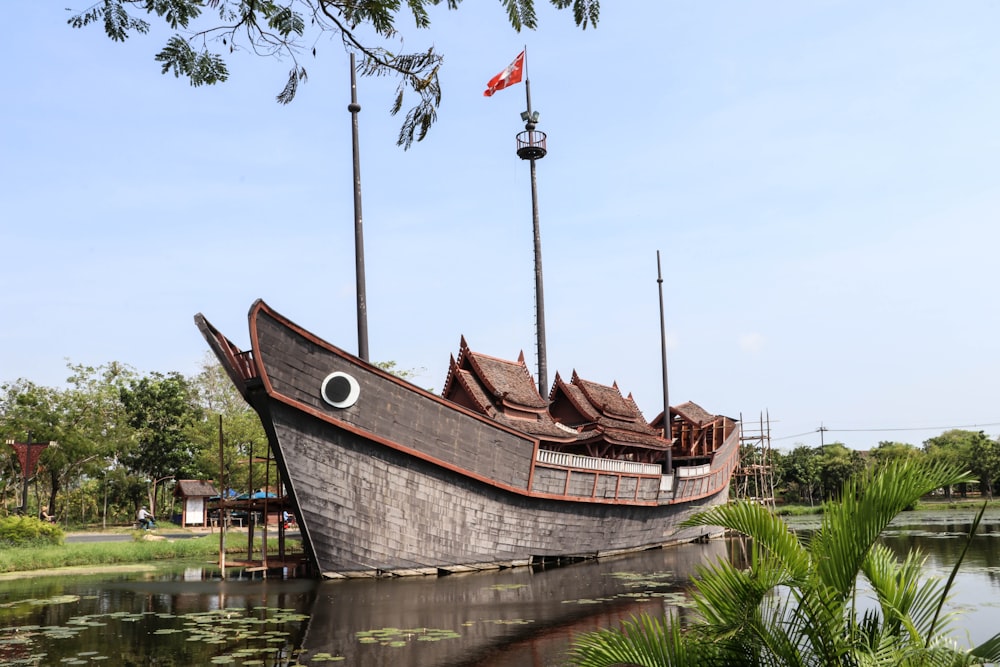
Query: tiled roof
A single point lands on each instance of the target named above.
(632, 438)
(505, 391)
(510, 381)
(608, 400)
(506, 381)
(616, 417)
(193, 488)
(576, 397)
(545, 428)
(694, 413)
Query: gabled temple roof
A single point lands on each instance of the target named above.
(577, 412)
(507, 381)
(505, 392)
(597, 401)
(609, 400)
(602, 410)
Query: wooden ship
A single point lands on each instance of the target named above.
(386, 478)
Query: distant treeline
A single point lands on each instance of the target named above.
(113, 440)
(814, 475)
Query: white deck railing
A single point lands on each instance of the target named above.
(549, 457)
(693, 471)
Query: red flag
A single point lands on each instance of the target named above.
(508, 77)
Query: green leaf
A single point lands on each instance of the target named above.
(200, 68)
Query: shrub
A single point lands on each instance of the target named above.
(26, 531)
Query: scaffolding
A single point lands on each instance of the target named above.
(754, 477)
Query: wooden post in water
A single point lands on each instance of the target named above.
(249, 506)
(263, 530)
(222, 506)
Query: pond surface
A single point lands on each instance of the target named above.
(520, 617)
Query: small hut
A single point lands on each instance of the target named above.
(193, 494)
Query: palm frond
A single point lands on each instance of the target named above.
(769, 533)
(868, 503)
(643, 641)
(989, 650)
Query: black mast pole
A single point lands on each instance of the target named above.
(359, 240)
(531, 147)
(667, 435)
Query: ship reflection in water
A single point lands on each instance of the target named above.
(513, 617)
(506, 618)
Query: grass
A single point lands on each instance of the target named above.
(120, 553)
(956, 503)
(929, 503)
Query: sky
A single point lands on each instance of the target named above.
(821, 179)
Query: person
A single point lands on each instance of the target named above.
(46, 517)
(146, 520)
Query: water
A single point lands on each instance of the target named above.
(520, 617)
(940, 536)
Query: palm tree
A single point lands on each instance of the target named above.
(797, 603)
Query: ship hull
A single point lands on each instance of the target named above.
(404, 482)
(368, 511)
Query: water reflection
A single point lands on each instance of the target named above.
(513, 617)
(190, 617)
(520, 617)
(150, 620)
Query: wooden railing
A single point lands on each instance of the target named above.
(693, 471)
(563, 459)
(244, 364)
(694, 482)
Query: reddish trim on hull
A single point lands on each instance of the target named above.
(260, 307)
(281, 398)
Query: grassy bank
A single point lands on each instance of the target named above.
(956, 503)
(118, 553)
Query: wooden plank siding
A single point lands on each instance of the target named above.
(368, 510)
(392, 411)
(724, 461)
(406, 482)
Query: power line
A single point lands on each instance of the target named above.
(827, 429)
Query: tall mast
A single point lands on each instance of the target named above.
(531, 147)
(667, 435)
(359, 239)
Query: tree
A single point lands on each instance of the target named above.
(92, 427)
(162, 410)
(837, 463)
(887, 451)
(295, 27)
(985, 462)
(798, 603)
(800, 473)
(953, 447)
(29, 413)
(242, 431)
